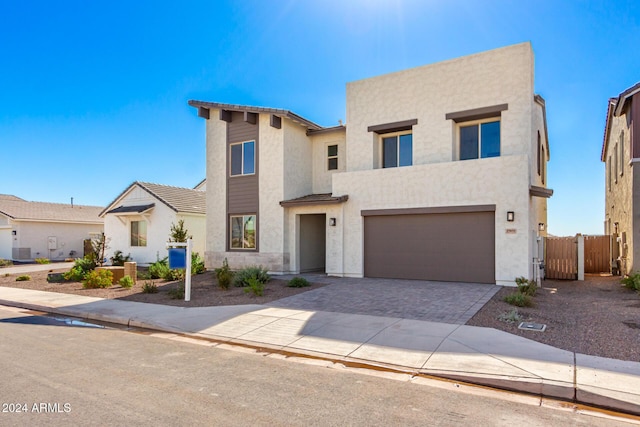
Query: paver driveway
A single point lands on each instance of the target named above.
(446, 302)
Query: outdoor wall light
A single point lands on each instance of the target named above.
(511, 216)
(14, 232)
(332, 222)
(541, 226)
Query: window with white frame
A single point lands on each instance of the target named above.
(397, 150)
(243, 158)
(243, 232)
(479, 139)
(138, 233)
(332, 157)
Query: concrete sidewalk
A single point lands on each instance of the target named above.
(31, 268)
(466, 353)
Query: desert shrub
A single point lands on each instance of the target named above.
(55, 277)
(172, 275)
(178, 232)
(85, 264)
(43, 261)
(144, 275)
(97, 279)
(511, 316)
(158, 269)
(529, 287)
(76, 274)
(632, 282)
(149, 287)
(177, 293)
(298, 282)
(126, 282)
(254, 286)
(240, 278)
(5, 262)
(197, 264)
(224, 275)
(23, 278)
(518, 299)
(118, 258)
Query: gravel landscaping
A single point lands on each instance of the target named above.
(598, 316)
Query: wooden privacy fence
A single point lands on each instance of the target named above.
(561, 260)
(596, 254)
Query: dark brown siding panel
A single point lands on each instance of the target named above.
(477, 113)
(445, 247)
(243, 194)
(635, 124)
(239, 131)
(393, 127)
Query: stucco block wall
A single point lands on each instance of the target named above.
(321, 175)
(216, 137)
(429, 92)
(471, 182)
(619, 197)
(69, 237)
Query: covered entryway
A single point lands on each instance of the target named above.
(312, 242)
(455, 244)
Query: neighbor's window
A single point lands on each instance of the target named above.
(243, 232)
(332, 157)
(397, 150)
(138, 233)
(243, 158)
(480, 140)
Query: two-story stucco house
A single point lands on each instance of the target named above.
(621, 153)
(438, 174)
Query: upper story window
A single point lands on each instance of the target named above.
(397, 150)
(479, 140)
(332, 157)
(138, 233)
(243, 158)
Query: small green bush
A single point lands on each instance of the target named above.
(97, 279)
(23, 278)
(528, 288)
(255, 286)
(43, 261)
(197, 264)
(224, 275)
(511, 317)
(126, 282)
(298, 282)
(518, 299)
(632, 282)
(119, 259)
(159, 269)
(149, 287)
(240, 278)
(85, 264)
(5, 262)
(173, 275)
(177, 293)
(76, 274)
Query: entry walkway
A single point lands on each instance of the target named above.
(444, 302)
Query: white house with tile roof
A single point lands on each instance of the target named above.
(56, 231)
(138, 222)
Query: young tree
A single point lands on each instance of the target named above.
(179, 233)
(99, 246)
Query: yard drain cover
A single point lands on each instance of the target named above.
(527, 326)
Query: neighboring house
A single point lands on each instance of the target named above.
(202, 185)
(438, 174)
(56, 231)
(138, 222)
(621, 154)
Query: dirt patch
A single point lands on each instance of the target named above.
(598, 317)
(205, 291)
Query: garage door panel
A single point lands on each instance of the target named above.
(446, 247)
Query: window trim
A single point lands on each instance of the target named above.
(231, 174)
(131, 242)
(330, 157)
(255, 231)
(621, 148)
(396, 135)
(615, 163)
(478, 123)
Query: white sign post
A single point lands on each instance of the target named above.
(187, 272)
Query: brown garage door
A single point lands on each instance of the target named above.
(454, 246)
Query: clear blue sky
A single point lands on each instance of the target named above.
(93, 95)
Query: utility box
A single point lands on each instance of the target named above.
(52, 243)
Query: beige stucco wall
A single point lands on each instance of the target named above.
(321, 174)
(472, 182)
(117, 229)
(619, 196)
(429, 92)
(69, 237)
(5, 242)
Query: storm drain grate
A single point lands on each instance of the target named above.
(528, 326)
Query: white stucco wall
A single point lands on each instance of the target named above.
(5, 242)
(321, 174)
(69, 237)
(159, 220)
